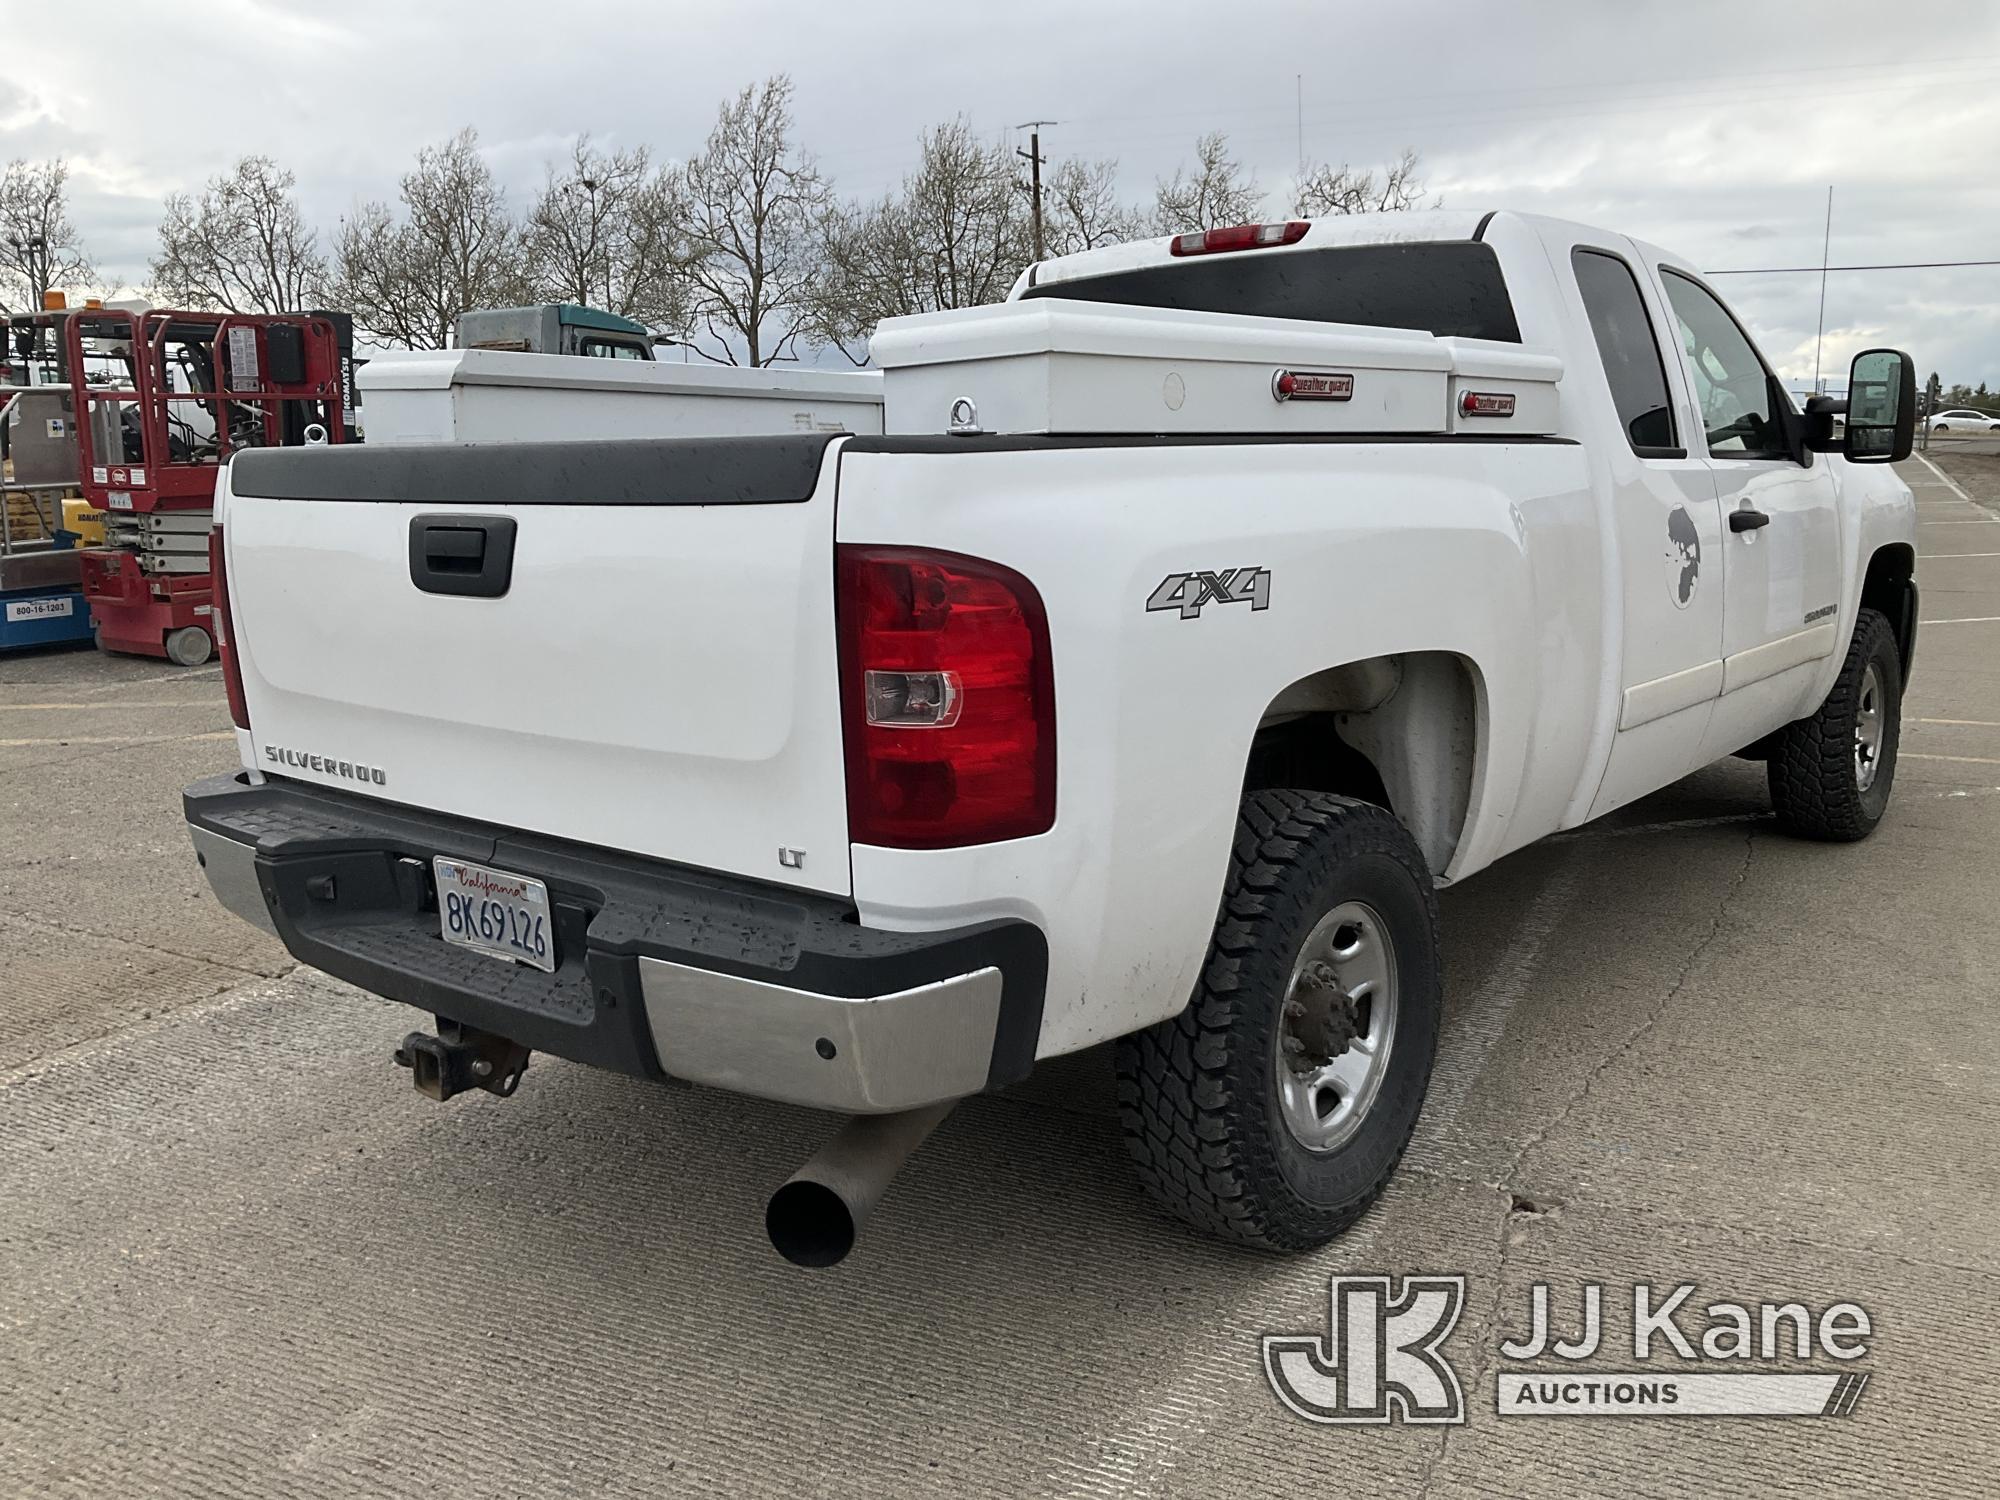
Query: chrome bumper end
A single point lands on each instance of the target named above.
(871, 1054)
(232, 874)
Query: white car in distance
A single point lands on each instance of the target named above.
(1964, 419)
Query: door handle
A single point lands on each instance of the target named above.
(1747, 519)
(469, 555)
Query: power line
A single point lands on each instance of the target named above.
(1906, 265)
(1677, 87)
(1540, 103)
(1416, 114)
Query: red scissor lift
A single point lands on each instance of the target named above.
(201, 387)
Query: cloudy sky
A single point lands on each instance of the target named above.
(1712, 128)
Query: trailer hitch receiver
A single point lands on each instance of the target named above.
(460, 1058)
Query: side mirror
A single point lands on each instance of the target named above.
(1881, 407)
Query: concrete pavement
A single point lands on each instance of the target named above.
(239, 1256)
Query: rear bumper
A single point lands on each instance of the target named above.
(661, 970)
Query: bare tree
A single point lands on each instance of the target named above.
(956, 234)
(968, 217)
(242, 246)
(1328, 190)
(40, 249)
(754, 204)
(1081, 209)
(867, 274)
(660, 258)
(456, 248)
(1217, 191)
(606, 232)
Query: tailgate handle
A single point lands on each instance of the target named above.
(470, 555)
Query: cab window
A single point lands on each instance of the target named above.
(608, 349)
(1740, 399)
(1630, 352)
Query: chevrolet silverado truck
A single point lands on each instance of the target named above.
(1191, 618)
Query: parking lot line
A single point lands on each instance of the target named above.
(8, 708)
(115, 739)
(1967, 723)
(1967, 620)
(1962, 760)
(1945, 479)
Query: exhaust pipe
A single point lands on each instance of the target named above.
(813, 1219)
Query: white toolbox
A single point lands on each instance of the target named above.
(498, 396)
(1053, 365)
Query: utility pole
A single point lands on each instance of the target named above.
(588, 293)
(1035, 160)
(1300, 80)
(36, 248)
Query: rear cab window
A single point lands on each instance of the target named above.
(1449, 288)
(1629, 350)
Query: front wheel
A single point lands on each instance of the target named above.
(1831, 774)
(1274, 1108)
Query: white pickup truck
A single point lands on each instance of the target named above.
(1136, 671)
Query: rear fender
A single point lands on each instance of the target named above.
(1372, 552)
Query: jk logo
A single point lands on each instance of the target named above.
(1379, 1360)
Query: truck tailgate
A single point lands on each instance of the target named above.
(657, 673)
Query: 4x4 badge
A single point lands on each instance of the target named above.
(1188, 592)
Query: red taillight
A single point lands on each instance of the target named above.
(948, 699)
(1240, 237)
(225, 633)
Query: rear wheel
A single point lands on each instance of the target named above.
(189, 646)
(1831, 774)
(1273, 1109)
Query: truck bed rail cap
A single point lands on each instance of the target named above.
(756, 470)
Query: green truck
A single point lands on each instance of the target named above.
(555, 328)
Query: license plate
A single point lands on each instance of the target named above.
(495, 911)
(120, 500)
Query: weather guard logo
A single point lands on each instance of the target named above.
(1380, 1359)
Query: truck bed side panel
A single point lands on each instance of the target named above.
(1373, 549)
